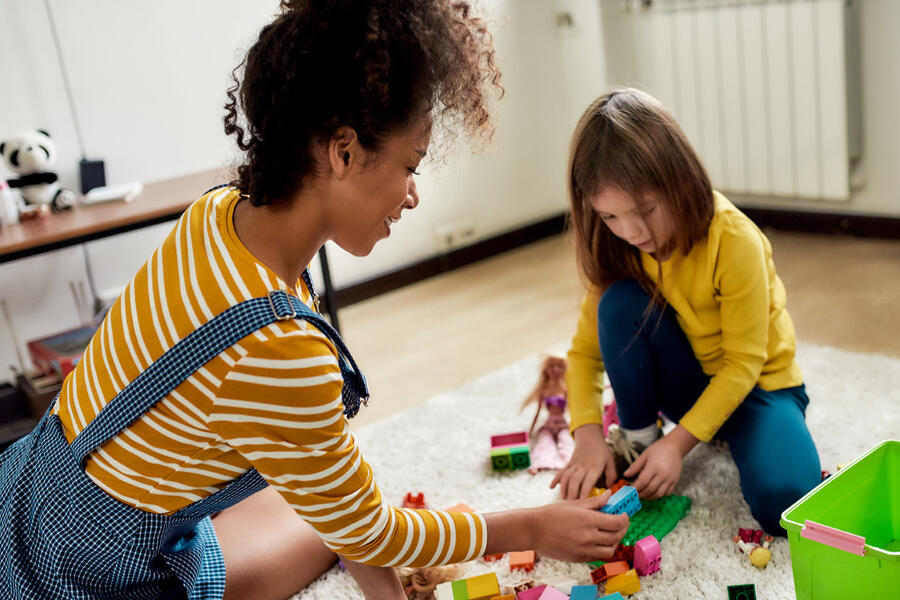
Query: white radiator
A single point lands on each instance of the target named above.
(767, 91)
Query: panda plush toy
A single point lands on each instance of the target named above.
(30, 155)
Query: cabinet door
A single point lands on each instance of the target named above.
(39, 294)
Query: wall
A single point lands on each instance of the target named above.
(625, 37)
(149, 83)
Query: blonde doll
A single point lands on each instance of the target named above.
(554, 444)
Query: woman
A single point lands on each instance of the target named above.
(200, 448)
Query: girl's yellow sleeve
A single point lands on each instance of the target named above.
(584, 376)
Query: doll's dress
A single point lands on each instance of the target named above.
(554, 444)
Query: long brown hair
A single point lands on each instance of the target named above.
(627, 140)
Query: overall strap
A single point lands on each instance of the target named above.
(184, 358)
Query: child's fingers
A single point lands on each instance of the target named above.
(635, 467)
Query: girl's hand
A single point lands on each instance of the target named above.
(658, 468)
(590, 461)
(576, 531)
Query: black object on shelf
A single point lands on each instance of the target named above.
(15, 422)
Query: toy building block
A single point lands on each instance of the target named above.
(560, 582)
(444, 591)
(646, 556)
(482, 587)
(596, 492)
(510, 451)
(461, 507)
(624, 501)
(625, 553)
(517, 438)
(627, 583)
(601, 574)
(521, 560)
(551, 593)
(531, 593)
(583, 592)
(414, 500)
(616, 596)
(656, 518)
(492, 557)
(617, 486)
(742, 592)
(460, 589)
(504, 597)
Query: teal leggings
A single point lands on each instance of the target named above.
(653, 369)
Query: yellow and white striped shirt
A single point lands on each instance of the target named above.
(271, 401)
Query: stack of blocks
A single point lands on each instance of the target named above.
(509, 451)
(480, 587)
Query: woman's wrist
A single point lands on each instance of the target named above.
(511, 530)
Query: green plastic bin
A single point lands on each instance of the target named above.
(844, 535)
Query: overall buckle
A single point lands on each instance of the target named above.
(277, 296)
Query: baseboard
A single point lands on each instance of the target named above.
(825, 223)
(449, 261)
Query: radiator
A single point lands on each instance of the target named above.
(767, 91)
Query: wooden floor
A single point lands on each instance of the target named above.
(433, 336)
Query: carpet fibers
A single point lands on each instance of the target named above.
(440, 447)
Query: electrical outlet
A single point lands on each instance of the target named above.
(454, 235)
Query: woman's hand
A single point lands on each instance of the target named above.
(590, 461)
(658, 468)
(576, 530)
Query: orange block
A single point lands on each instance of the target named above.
(617, 486)
(461, 507)
(506, 597)
(492, 557)
(604, 572)
(521, 560)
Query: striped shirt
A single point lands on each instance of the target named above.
(272, 401)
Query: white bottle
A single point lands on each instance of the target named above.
(9, 205)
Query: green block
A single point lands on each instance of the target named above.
(657, 518)
(596, 564)
(501, 460)
(742, 592)
(460, 590)
(521, 458)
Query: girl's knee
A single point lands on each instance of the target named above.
(622, 302)
(773, 498)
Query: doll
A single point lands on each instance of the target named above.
(554, 444)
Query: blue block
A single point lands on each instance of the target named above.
(616, 596)
(583, 592)
(624, 501)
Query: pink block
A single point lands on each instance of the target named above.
(647, 556)
(518, 438)
(551, 593)
(531, 594)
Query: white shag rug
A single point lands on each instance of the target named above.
(441, 448)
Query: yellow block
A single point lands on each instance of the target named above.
(626, 583)
(597, 492)
(483, 587)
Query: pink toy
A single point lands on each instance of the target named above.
(551, 593)
(553, 444)
(610, 413)
(647, 556)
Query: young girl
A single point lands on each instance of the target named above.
(554, 443)
(684, 311)
(201, 447)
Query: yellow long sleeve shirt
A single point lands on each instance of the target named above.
(271, 401)
(730, 304)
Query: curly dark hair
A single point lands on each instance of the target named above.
(374, 65)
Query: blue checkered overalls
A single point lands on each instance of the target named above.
(63, 537)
